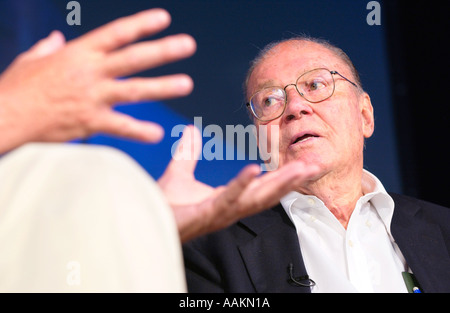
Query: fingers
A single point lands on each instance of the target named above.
(268, 189)
(122, 125)
(237, 186)
(126, 30)
(247, 194)
(140, 89)
(185, 157)
(150, 54)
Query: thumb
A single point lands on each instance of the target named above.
(47, 46)
(186, 154)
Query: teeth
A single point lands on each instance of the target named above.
(303, 138)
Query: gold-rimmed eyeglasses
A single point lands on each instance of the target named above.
(314, 86)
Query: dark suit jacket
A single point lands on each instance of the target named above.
(253, 255)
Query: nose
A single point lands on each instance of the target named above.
(296, 105)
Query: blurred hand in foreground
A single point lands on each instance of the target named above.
(58, 91)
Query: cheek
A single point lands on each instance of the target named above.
(349, 134)
(343, 118)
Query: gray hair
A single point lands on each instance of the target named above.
(324, 43)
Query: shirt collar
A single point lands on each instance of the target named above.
(373, 191)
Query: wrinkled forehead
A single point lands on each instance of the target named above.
(285, 62)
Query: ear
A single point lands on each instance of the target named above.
(368, 121)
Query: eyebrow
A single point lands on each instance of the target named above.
(268, 83)
(272, 83)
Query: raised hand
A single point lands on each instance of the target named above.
(200, 209)
(59, 91)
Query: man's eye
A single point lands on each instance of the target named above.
(316, 85)
(270, 101)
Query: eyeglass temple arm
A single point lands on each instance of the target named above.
(335, 72)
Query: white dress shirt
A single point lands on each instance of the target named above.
(362, 258)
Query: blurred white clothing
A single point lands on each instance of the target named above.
(82, 218)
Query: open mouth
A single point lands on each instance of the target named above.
(303, 138)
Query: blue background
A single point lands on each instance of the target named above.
(229, 34)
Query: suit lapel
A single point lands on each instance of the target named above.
(422, 244)
(268, 255)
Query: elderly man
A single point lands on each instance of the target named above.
(77, 218)
(338, 230)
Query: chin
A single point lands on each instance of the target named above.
(309, 159)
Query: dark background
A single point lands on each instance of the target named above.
(403, 65)
(417, 41)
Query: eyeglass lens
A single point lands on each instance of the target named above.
(315, 86)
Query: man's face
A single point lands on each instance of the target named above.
(330, 133)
